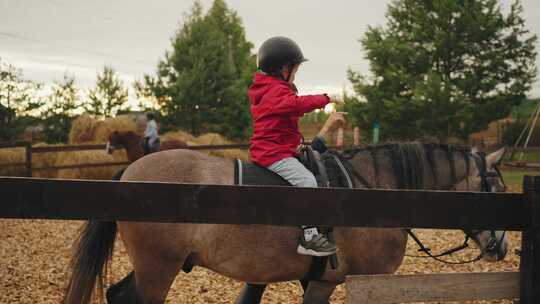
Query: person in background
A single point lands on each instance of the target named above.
(151, 141)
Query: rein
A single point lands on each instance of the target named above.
(487, 186)
(436, 257)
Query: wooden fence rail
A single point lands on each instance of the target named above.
(227, 204)
(12, 144)
(386, 289)
(29, 150)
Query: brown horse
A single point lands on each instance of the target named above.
(261, 254)
(130, 141)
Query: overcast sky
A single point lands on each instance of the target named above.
(48, 37)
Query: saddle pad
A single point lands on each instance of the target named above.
(247, 173)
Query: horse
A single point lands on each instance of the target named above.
(262, 254)
(130, 141)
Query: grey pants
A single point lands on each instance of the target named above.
(150, 146)
(294, 172)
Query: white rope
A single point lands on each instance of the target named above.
(533, 125)
(526, 127)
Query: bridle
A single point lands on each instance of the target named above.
(487, 182)
(487, 178)
(109, 148)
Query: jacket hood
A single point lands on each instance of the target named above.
(262, 83)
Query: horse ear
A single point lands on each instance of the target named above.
(495, 157)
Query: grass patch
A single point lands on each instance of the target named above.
(533, 157)
(514, 178)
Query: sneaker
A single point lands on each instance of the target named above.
(319, 246)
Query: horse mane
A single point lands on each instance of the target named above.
(409, 160)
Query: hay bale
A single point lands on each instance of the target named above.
(39, 160)
(86, 129)
(12, 156)
(213, 139)
(178, 135)
(83, 129)
(42, 160)
(88, 157)
(53, 159)
(232, 154)
(217, 139)
(78, 158)
(118, 123)
(207, 139)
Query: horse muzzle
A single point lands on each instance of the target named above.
(109, 148)
(497, 247)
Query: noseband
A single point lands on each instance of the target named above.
(111, 147)
(487, 182)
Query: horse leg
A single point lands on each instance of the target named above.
(304, 284)
(123, 292)
(153, 272)
(319, 292)
(128, 291)
(251, 294)
(153, 281)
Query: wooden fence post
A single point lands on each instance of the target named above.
(339, 138)
(356, 136)
(530, 245)
(28, 150)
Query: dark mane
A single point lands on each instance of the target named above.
(409, 160)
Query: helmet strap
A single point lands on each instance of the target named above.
(294, 88)
(290, 68)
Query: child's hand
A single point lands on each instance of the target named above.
(335, 121)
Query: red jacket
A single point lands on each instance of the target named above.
(275, 110)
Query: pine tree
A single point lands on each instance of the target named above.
(62, 105)
(17, 100)
(443, 68)
(108, 96)
(144, 96)
(201, 83)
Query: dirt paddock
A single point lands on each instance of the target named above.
(34, 256)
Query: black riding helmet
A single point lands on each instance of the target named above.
(278, 51)
(150, 115)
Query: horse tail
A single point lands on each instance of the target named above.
(93, 249)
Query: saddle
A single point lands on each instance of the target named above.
(147, 148)
(329, 169)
